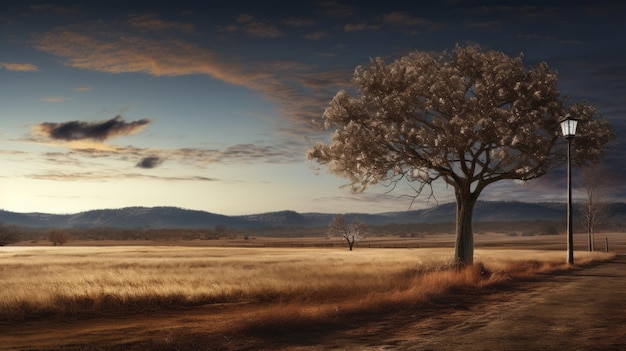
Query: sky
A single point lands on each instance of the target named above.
(208, 105)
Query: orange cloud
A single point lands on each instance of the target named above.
(403, 18)
(400, 18)
(244, 18)
(130, 54)
(262, 30)
(152, 22)
(19, 67)
(53, 98)
(299, 93)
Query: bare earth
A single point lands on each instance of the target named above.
(580, 309)
(575, 310)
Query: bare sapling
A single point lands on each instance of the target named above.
(597, 183)
(343, 229)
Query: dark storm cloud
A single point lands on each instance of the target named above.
(104, 176)
(149, 162)
(100, 131)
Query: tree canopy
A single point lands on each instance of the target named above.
(468, 117)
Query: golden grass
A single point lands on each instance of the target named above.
(40, 281)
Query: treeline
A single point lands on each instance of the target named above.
(416, 230)
(522, 228)
(58, 236)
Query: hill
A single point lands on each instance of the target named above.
(172, 217)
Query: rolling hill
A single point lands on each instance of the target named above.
(173, 217)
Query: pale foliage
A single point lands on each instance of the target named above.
(468, 117)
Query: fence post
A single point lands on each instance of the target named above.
(606, 244)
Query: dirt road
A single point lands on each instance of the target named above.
(575, 310)
(580, 309)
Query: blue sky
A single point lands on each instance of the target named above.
(208, 106)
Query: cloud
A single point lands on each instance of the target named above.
(83, 88)
(262, 30)
(259, 152)
(54, 98)
(404, 19)
(483, 24)
(149, 162)
(102, 47)
(17, 153)
(335, 9)
(113, 53)
(364, 202)
(99, 131)
(326, 54)
(152, 22)
(110, 176)
(19, 67)
(246, 23)
(359, 27)
(355, 27)
(244, 18)
(238, 153)
(104, 164)
(316, 35)
(63, 10)
(537, 37)
(298, 22)
(91, 148)
(321, 80)
(513, 9)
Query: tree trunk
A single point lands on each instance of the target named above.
(592, 240)
(350, 243)
(464, 247)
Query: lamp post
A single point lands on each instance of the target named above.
(568, 127)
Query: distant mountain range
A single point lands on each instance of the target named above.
(173, 217)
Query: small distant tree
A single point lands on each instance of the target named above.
(341, 228)
(59, 237)
(8, 234)
(596, 182)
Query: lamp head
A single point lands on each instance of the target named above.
(568, 126)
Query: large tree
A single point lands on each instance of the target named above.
(468, 117)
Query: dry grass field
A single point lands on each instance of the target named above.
(154, 297)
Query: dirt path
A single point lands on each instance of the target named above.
(581, 309)
(575, 310)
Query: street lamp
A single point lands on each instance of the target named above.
(568, 127)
